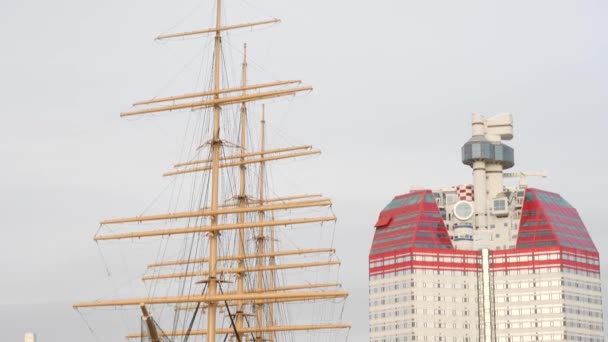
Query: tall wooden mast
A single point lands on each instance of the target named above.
(261, 238)
(271, 280)
(149, 323)
(216, 145)
(242, 200)
(271, 264)
(261, 261)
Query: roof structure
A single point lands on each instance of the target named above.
(549, 220)
(410, 221)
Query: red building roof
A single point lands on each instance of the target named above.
(410, 234)
(410, 221)
(549, 220)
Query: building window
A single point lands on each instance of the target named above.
(499, 205)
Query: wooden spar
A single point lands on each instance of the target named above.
(217, 101)
(224, 211)
(149, 323)
(251, 154)
(248, 161)
(259, 96)
(189, 307)
(290, 198)
(270, 200)
(276, 289)
(209, 298)
(275, 199)
(212, 228)
(277, 328)
(237, 257)
(256, 268)
(215, 177)
(298, 287)
(261, 239)
(232, 303)
(242, 202)
(213, 92)
(217, 29)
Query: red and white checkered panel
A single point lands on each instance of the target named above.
(465, 192)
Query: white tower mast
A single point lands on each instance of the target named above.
(488, 157)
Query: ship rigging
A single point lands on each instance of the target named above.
(229, 276)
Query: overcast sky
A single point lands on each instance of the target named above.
(395, 83)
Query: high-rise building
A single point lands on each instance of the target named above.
(29, 337)
(484, 261)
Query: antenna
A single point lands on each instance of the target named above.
(523, 182)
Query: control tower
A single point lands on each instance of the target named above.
(488, 156)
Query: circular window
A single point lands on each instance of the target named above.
(463, 210)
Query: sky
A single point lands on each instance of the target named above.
(395, 83)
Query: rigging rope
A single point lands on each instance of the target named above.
(198, 305)
(103, 259)
(236, 333)
(161, 329)
(93, 333)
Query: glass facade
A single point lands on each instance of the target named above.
(549, 220)
(410, 221)
(478, 148)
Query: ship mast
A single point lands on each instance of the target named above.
(260, 239)
(271, 281)
(242, 200)
(262, 260)
(215, 176)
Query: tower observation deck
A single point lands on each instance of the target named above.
(482, 261)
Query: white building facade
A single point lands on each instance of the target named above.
(484, 262)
